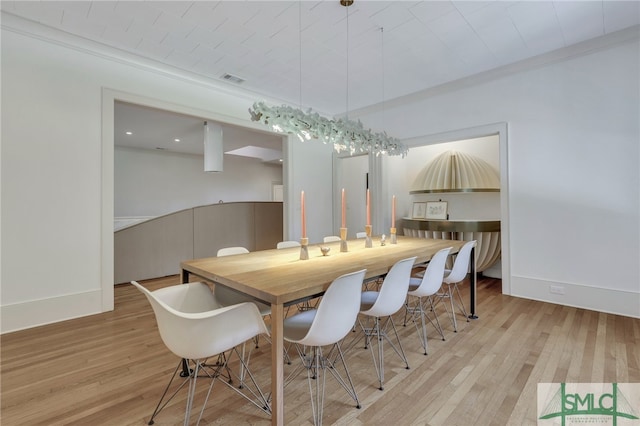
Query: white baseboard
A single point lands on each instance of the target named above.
(599, 299)
(34, 313)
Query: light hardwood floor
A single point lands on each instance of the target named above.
(110, 369)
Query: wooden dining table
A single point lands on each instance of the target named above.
(281, 278)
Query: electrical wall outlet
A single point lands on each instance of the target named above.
(556, 289)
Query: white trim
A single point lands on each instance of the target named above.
(109, 97)
(19, 25)
(579, 49)
(107, 199)
(34, 313)
(611, 301)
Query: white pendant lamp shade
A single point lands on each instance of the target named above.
(455, 171)
(213, 149)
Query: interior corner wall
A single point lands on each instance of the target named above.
(573, 169)
(309, 166)
(55, 219)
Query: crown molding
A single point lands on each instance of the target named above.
(45, 33)
(631, 34)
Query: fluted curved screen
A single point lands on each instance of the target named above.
(488, 248)
(455, 171)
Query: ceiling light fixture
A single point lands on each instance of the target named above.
(233, 78)
(344, 134)
(213, 147)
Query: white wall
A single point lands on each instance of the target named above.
(573, 159)
(461, 206)
(352, 176)
(309, 168)
(573, 168)
(57, 175)
(153, 183)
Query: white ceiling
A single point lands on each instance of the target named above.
(157, 129)
(296, 51)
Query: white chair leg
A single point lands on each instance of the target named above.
(419, 310)
(250, 389)
(247, 357)
(460, 303)
(453, 310)
(161, 405)
(316, 376)
(192, 391)
(378, 333)
(317, 365)
(437, 325)
(347, 383)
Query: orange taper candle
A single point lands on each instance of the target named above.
(304, 216)
(393, 212)
(368, 208)
(344, 211)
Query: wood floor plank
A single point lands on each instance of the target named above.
(110, 369)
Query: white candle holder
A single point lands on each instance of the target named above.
(304, 248)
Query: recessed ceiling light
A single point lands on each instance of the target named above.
(280, 160)
(128, 133)
(176, 140)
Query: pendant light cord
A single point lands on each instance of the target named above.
(347, 97)
(382, 50)
(300, 47)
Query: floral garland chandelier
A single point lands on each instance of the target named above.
(344, 134)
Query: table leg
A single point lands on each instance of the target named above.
(277, 365)
(186, 371)
(474, 280)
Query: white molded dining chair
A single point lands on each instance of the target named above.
(422, 290)
(454, 276)
(287, 244)
(229, 251)
(229, 297)
(375, 281)
(194, 326)
(303, 306)
(384, 303)
(331, 239)
(326, 326)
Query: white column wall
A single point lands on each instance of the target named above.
(309, 169)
